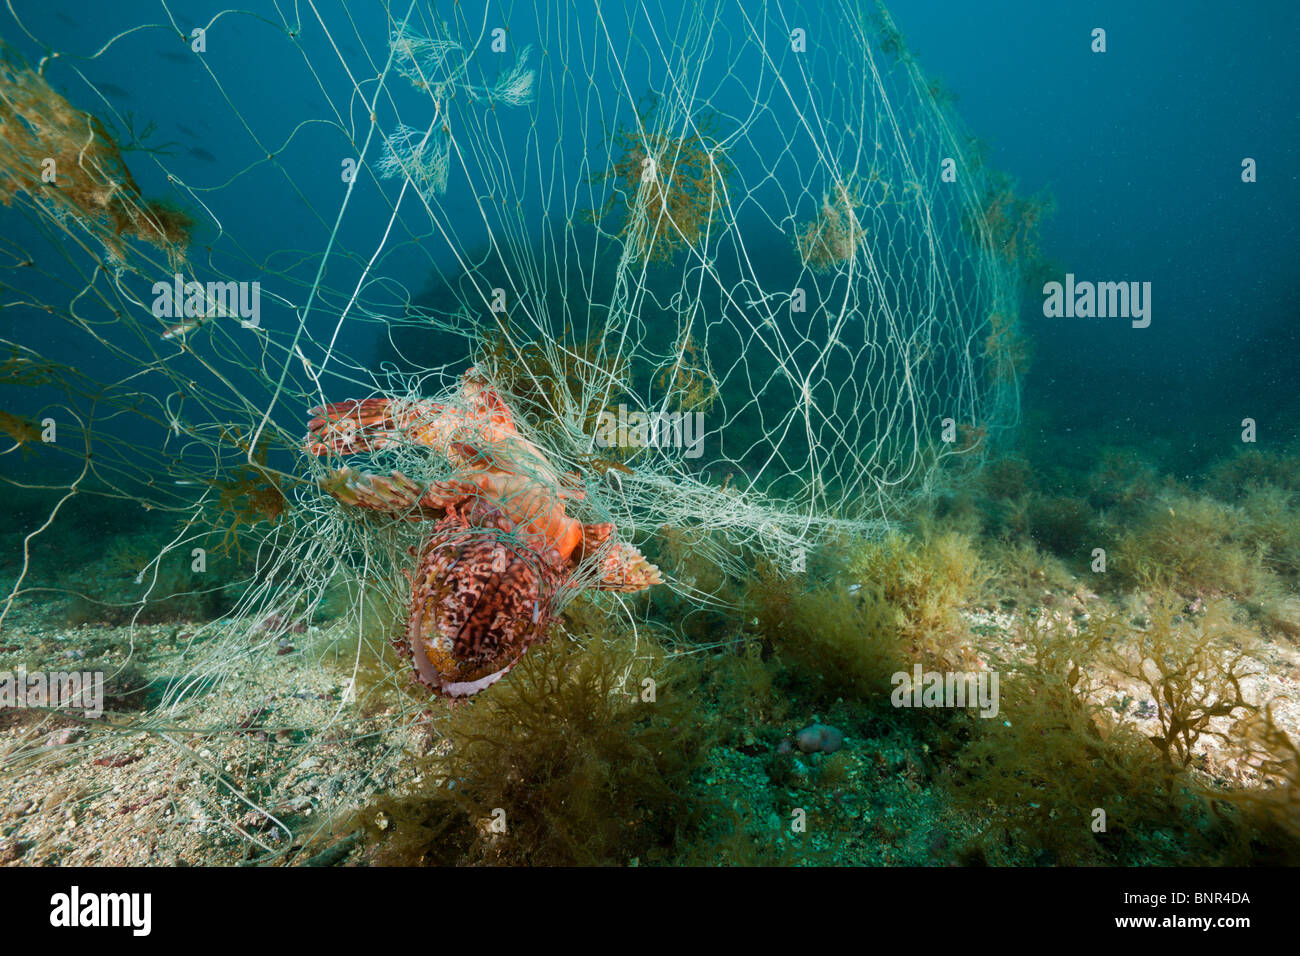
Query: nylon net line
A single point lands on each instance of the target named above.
(734, 269)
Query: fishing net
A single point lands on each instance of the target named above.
(736, 270)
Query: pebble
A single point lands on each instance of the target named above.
(819, 738)
(63, 737)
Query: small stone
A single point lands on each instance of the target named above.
(62, 738)
(819, 738)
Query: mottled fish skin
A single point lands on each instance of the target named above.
(484, 586)
(478, 602)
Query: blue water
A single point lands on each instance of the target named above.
(1141, 148)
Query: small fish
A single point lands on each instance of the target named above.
(198, 152)
(180, 329)
(177, 57)
(186, 130)
(113, 90)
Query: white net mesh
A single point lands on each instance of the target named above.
(735, 267)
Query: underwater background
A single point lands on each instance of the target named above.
(927, 475)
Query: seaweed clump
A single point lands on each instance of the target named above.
(1197, 545)
(67, 158)
(1264, 819)
(831, 641)
(543, 381)
(252, 494)
(1006, 348)
(1062, 525)
(1122, 481)
(925, 581)
(671, 186)
(138, 580)
(842, 639)
(1248, 469)
(21, 430)
(1066, 778)
(1008, 223)
(1007, 479)
(831, 240)
(1193, 668)
(1054, 755)
(570, 760)
(166, 224)
(689, 377)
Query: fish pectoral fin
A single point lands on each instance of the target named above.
(351, 426)
(622, 567)
(594, 537)
(395, 495)
(448, 493)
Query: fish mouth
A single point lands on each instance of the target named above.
(470, 688)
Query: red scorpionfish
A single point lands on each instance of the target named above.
(485, 584)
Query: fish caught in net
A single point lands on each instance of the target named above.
(451, 320)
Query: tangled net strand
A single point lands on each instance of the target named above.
(714, 213)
